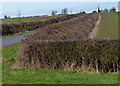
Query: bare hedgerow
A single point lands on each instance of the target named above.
(13, 28)
(66, 46)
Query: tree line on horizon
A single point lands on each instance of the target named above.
(113, 9)
(65, 11)
(53, 13)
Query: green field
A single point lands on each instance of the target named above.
(12, 75)
(25, 19)
(108, 26)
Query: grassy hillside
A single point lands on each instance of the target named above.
(13, 75)
(108, 27)
(25, 19)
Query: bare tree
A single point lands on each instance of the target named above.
(64, 11)
(19, 14)
(53, 12)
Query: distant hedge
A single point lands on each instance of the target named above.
(82, 56)
(9, 29)
(76, 29)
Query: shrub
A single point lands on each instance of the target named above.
(84, 55)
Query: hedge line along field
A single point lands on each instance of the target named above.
(66, 46)
(108, 27)
(24, 19)
(16, 75)
(76, 29)
(13, 28)
(82, 56)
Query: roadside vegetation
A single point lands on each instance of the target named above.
(108, 27)
(13, 75)
(18, 34)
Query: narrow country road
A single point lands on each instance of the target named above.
(17, 39)
(13, 40)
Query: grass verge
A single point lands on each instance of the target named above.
(108, 27)
(18, 34)
(30, 76)
(13, 75)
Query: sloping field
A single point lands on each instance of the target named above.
(13, 28)
(24, 19)
(76, 29)
(108, 26)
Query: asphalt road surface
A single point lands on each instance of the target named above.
(13, 40)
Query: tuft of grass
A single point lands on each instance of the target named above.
(108, 27)
(11, 75)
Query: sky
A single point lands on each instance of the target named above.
(59, 0)
(10, 7)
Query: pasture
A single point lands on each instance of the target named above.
(24, 19)
(108, 26)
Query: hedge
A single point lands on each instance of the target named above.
(67, 46)
(82, 56)
(9, 29)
